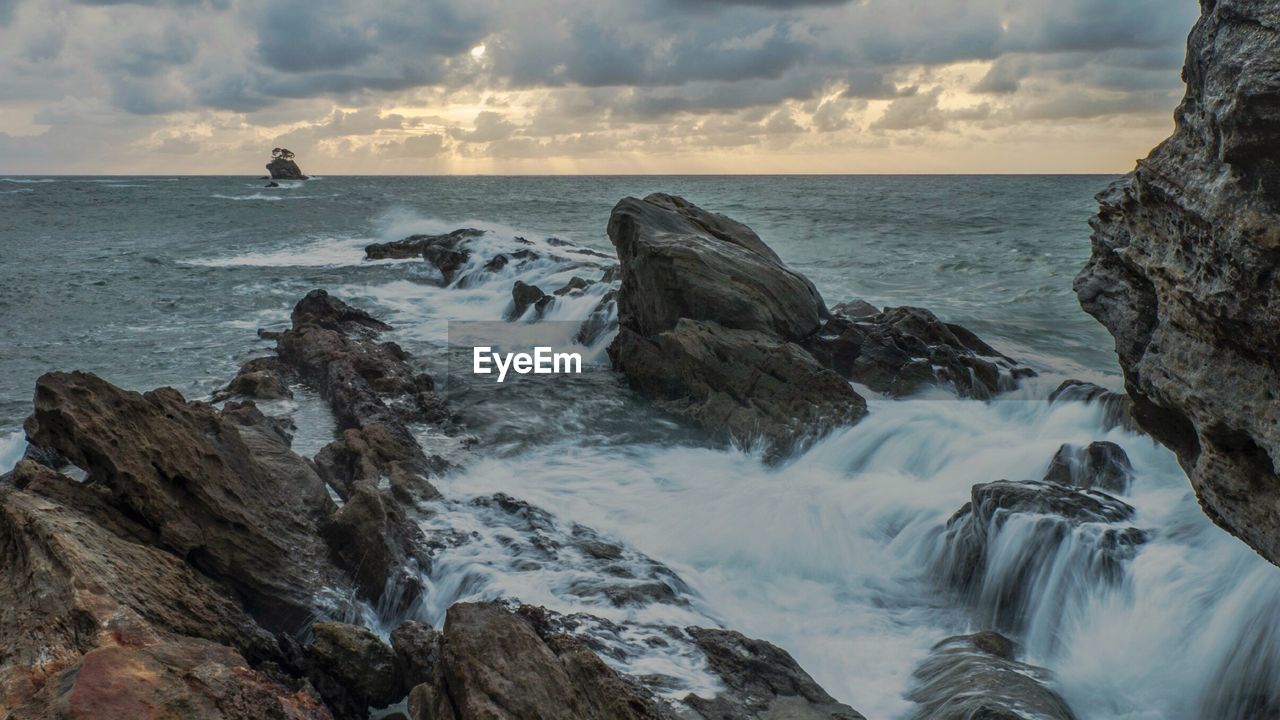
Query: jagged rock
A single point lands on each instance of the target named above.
(708, 315)
(322, 310)
(575, 286)
(762, 681)
(353, 670)
(1100, 465)
(222, 491)
(976, 677)
(1183, 273)
(284, 169)
(1019, 546)
(680, 261)
(415, 245)
(739, 385)
(900, 350)
(1117, 408)
(272, 184)
(524, 296)
(494, 664)
(371, 537)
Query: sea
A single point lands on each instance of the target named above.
(832, 554)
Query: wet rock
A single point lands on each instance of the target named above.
(680, 261)
(371, 537)
(739, 385)
(378, 451)
(1183, 273)
(899, 351)
(525, 296)
(284, 168)
(575, 286)
(272, 184)
(1024, 550)
(1117, 407)
(974, 677)
(602, 320)
(761, 681)
(353, 670)
(494, 664)
(417, 648)
(1100, 465)
(222, 491)
(261, 379)
(415, 245)
(320, 309)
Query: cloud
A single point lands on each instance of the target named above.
(488, 127)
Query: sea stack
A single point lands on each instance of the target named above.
(1183, 274)
(283, 167)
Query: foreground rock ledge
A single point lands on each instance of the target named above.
(1183, 274)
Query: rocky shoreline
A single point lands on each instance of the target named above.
(183, 560)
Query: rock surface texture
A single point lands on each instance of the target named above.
(285, 169)
(1183, 273)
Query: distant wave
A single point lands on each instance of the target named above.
(13, 192)
(28, 181)
(330, 252)
(263, 196)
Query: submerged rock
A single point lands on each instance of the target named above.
(762, 681)
(415, 246)
(708, 318)
(525, 296)
(1184, 273)
(1117, 407)
(1099, 465)
(899, 351)
(1020, 550)
(976, 677)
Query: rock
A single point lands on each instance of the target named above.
(167, 680)
(415, 246)
(1100, 465)
(761, 681)
(260, 379)
(371, 537)
(602, 320)
(494, 664)
(272, 184)
(353, 670)
(679, 261)
(222, 491)
(1020, 550)
(417, 648)
(899, 351)
(575, 286)
(282, 168)
(1184, 273)
(1117, 408)
(319, 309)
(975, 677)
(524, 296)
(739, 385)
(708, 317)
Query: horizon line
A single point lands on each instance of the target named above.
(319, 176)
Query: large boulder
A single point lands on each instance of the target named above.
(740, 385)
(416, 246)
(762, 681)
(284, 168)
(1184, 273)
(353, 670)
(680, 261)
(221, 490)
(1099, 465)
(709, 317)
(977, 677)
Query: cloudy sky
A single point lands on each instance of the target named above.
(587, 86)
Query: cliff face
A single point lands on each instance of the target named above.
(1184, 273)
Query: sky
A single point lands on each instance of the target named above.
(587, 86)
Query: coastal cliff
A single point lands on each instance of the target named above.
(1183, 273)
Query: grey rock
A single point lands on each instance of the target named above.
(415, 245)
(976, 677)
(285, 169)
(1183, 273)
(1100, 465)
(1118, 408)
(352, 669)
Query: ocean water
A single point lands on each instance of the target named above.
(164, 281)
